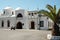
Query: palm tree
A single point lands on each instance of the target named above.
(53, 15)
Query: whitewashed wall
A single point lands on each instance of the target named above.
(45, 22)
(26, 19)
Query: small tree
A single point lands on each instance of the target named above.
(53, 15)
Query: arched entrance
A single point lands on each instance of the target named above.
(32, 25)
(19, 25)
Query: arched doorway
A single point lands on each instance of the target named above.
(32, 25)
(19, 25)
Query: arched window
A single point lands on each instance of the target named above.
(19, 15)
(2, 23)
(8, 23)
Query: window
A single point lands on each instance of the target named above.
(32, 14)
(41, 23)
(29, 14)
(12, 13)
(2, 24)
(4, 12)
(19, 15)
(39, 15)
(47, 17)
(35, 13)
(8, 23)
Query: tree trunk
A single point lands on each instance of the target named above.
(55, 30)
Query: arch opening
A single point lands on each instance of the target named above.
(19, 25)
(19, 15)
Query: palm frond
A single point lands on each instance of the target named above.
(51, 9)
(47, 14)
(58, 13)
(54, 11)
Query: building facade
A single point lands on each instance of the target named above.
(22, 19)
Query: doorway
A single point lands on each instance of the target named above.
(19, 25)
(32, 25)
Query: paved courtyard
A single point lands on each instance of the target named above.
(23, 34)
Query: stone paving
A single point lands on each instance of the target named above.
(23, 34)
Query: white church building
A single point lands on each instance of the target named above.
(22, 19)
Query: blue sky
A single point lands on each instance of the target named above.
(28, 4)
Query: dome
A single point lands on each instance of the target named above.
(7, 8)
(18, 8)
